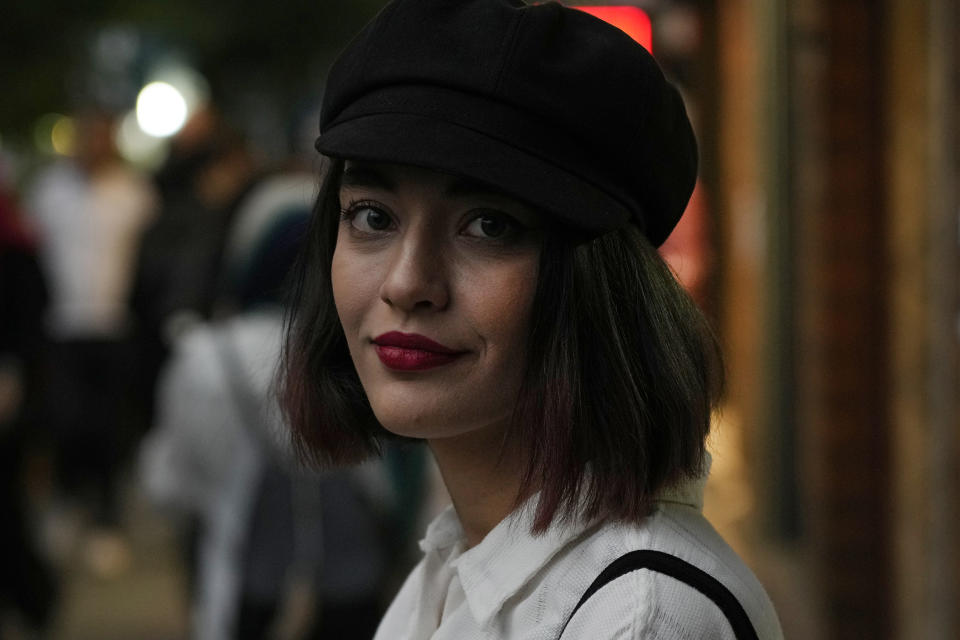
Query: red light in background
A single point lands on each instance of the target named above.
(631, 20)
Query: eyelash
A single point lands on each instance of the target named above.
(351, 209)
(349, 213)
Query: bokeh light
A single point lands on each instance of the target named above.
(63, 136)
(161, 109)
(54, 133)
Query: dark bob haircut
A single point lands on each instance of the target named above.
(621, 378)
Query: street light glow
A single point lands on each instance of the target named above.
(161, 109)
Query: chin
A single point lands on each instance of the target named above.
(419, 426)
(429, 421)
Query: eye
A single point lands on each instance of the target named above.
(367, 217)
(491, 225)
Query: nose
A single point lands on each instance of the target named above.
(417, 276)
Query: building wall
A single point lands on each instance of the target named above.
(837, 199)
(921, 186)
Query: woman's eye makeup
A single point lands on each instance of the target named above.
(367, 217)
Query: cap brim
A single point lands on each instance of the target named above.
(430, 143)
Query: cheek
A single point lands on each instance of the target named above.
(503, 305)
(351, 290)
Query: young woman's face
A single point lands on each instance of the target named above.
(433, 280)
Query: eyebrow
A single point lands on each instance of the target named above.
(361, 175)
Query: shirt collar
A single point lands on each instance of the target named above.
(508, 557)
(689, 492)
(443, 533)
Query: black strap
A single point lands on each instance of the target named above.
(684, 572)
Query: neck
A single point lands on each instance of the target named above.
(482, 483)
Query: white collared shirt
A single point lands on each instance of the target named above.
(515, 586)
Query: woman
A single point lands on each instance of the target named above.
(482, 274)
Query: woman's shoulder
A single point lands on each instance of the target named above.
(646, 604)
(649, 603)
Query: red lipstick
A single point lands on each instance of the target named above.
(412, 351)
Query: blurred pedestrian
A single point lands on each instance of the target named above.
(180, 271)
(179, 274)
(90, 211)
(27, 582)
(277, 548)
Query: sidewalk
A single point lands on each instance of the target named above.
(143, 601)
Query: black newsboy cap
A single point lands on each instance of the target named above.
(546, 103)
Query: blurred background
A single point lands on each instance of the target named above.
(156, 168)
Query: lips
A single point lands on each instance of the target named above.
(412, 351)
